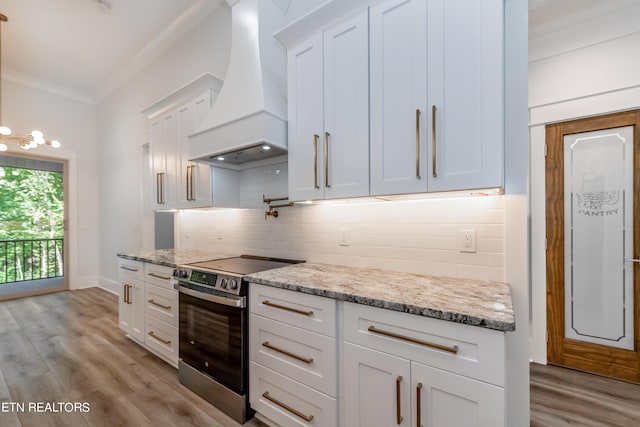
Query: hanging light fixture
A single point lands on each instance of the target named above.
(32, 140)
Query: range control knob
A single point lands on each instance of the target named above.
(180, 274)
(223, 283)
(233, 284)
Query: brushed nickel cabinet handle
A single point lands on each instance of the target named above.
(166, 307)
(124, 267)
(632, 260)
(418, 143)
(157, 276)
(307, 360)
(398, 403)
(126, 294)
(418, 405)
(282, 307)
(453, 349)
(153, 335)
(267, 396)
(326, 159)
(434, 144)
(315, 160)
(160, 185)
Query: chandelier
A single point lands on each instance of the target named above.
(33, 140)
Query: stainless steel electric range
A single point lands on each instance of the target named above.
(213, 329)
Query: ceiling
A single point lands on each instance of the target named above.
(83, 48)
(80, 49)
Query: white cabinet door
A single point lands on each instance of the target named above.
(447, 399)
(346, 108)
(465, 86)
(131, 308)
(398, 70)
(376, 388)
(194, 187)
(163, 138)
(305, 120)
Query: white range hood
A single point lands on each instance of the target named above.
(250, 112)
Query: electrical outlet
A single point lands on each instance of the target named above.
(467, 240)
(345, 239)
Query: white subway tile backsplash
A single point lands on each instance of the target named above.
(409, 236)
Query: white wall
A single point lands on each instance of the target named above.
(122, 127)
(73, 123)
(585, 81)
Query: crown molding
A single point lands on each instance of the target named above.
(585, 34)
(47, 86)
(182, 24)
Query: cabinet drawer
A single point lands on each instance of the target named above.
(287, 402)
(161, 303)
(305, 356)
(161, 338)
(130, 269)
(480, 352)
(305, 311)
(159, 275)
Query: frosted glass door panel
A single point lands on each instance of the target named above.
(598, 168)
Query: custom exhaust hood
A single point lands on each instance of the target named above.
(248, 121)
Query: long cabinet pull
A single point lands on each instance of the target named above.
(418, 405)
(283, 307)
(191, 183)
(418, 112)
(153, 335)
(375, 330)
(187, 181)
(434, 144)
(126, 294)
(307, 360)
(267, 396)
(315, 160)
(124, 267)
(157, 276)
(158, 188)
(326, 159)
(398, 402)
(166, 307)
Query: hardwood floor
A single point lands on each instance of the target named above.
(67, 347)
(564, 397)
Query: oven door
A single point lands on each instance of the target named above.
(213, 337)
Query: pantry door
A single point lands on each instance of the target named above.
(593, 250)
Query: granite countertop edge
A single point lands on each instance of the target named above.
(172, 257)
(391, 305)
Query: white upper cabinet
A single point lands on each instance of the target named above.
(398, 92)
(430, 76)
(163, 135)
(465, 87)
(436, 95)
(328, 113)
(305, 120)
(194, 188)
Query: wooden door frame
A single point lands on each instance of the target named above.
(609, 361)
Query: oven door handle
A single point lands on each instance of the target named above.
(238, 302)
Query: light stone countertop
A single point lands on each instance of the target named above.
(472, 302)
(173, 257)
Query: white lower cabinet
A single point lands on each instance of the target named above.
(293, 353)
(442, 399)
(376, 388)
(391, 378)
(312, 355)
(148, 307)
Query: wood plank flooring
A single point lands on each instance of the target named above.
(67, 347)
(564, 397)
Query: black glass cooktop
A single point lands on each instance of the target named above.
(244, 264)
